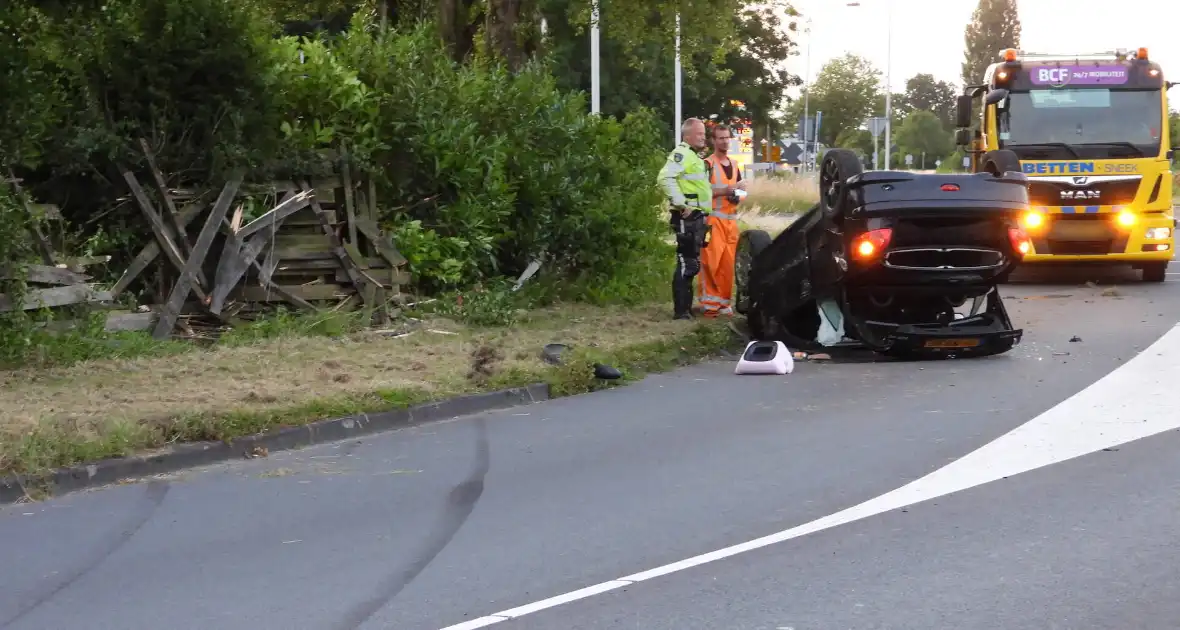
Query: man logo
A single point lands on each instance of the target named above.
(1080, 181)
(1080, 194)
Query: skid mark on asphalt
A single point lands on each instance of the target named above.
(153, 496)
(1135, 401)
(460, 503)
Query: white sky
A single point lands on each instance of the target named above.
(928, 34)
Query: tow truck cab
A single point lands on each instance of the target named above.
(1091, 133)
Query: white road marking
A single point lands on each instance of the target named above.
(1136, 400)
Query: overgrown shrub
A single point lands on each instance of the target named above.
(480, 170)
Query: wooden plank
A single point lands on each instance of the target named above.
(398, 277)
(42, 274)
(168, 245)
(188, 274)
(381, 242)
(347, 264)
(56, 296)
(170, 211)
(231, 270)
(318, 240)
(306, 292)
(289, 254)
(129, 322)
(276, 215)
(326, 265)
(304, 217)
(372, 196)
(354, 258)
(349, 206)
(151, 250)
(267, 271)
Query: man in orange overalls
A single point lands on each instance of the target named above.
(715, 288)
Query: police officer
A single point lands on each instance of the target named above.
(685, 180)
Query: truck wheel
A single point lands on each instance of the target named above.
(838, 165)
(1001, 161)
(1155, 271)
(749, 245)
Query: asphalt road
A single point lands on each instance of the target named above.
(437, 525)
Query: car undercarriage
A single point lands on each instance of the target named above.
(907, 265)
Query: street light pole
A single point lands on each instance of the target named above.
(595, 63)
(807, 101)
(679, 119)
(888, 77)
(888, 81)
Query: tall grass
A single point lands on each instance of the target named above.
(782, 193)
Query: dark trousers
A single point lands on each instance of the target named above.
(691, 232)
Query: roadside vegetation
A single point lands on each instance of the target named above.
(475, 133)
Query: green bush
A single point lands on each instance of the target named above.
(482, 171)
(479, 171)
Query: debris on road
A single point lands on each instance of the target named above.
(1075, 339)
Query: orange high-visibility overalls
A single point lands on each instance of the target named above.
(715, 288)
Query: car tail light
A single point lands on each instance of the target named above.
(950, 188)
(872, 243)
(1020, 241)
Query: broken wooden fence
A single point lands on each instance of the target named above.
(296, 252)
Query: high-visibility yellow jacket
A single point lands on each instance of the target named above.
(685, 179)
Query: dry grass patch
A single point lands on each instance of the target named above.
(783, 194)
(109, 407)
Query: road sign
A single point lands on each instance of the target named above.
(776, 153)
(876, 125)
(909, 159)
(966, 162)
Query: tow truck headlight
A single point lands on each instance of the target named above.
(1032, 220)
(1158, 233)
(1127, 218)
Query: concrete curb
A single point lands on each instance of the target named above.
(12, 489)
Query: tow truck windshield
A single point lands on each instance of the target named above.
(1082, 123)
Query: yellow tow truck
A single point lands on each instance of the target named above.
(1091, 133)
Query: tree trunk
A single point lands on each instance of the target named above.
(502, 40)
(454, 24)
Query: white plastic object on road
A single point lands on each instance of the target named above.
(765, 357)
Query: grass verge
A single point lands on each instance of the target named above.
(59, 416)
(787, 193)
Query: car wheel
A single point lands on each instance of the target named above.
(1155, 272)
(750, 244)
(1001, 161)
(838, 165)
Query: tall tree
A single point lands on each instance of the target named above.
(752, 74)
(922, 132)
(994, 26)
(924, 93)
(847, 90)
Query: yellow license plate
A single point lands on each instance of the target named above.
(952, 343)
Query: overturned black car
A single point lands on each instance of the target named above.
(902, 263)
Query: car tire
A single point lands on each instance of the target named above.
(1001, 161)
(1155, 272)
(749, 245)
(837, 166)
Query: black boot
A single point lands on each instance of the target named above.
(682, 290)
